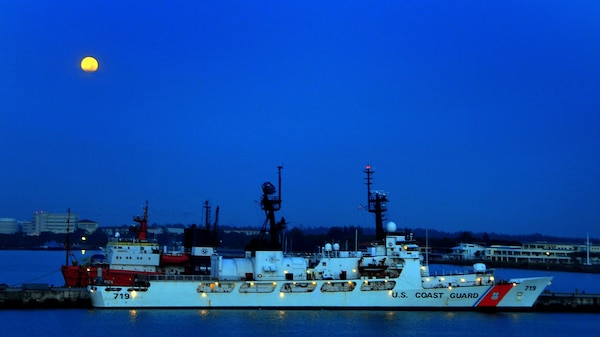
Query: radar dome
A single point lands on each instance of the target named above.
(479, 267)
(328, 247)
(391, 227)
(336, 246)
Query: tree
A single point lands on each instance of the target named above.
(465, 237)
(486, 238)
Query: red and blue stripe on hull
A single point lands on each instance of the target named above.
(494, 295)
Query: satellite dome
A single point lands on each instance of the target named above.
(479, 267)
(391, 227)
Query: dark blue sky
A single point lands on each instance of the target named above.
(477, 115)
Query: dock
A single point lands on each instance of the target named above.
(567, 302)
(41, 295)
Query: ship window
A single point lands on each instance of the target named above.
(338, 286)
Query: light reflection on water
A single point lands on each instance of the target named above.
(289, 323)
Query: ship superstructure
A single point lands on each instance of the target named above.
(129, 261)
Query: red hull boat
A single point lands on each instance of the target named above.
(129, 261)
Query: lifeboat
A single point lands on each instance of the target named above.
(169, 259)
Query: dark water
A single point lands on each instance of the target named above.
(265, 323)
(44, 267)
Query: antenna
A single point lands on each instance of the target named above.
(271, 203)
(216, 225)
(427, 247)
(207, 215)
(377, 204)
(67, 243)
(143, 221)
(588, 250)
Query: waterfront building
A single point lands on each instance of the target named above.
(248, 232)
(51, 222)
(467, 251)
(542, 252)
(87, 225)
(174, 230)
(9, 226)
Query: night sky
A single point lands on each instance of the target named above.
(477, 116)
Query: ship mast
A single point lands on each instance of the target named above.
(67, 243)
(587, 249)
(207, 215)
(271, 203)
(143, 221)
(216, 225)
(377, 204)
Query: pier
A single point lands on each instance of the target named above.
(41, 295)
(567, 302)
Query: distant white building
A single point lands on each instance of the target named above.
(51, 222)
(87, 225)
(540, 252)
(156, 230)
(9, 226)
(536, 252)
(467, 251)
(248, 232)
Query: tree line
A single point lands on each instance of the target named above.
(301, 240)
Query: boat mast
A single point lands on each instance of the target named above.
(143, 221)
(271, 203)
(427, 247)
(216, 225)
(67, 243)
(377, 204)
(588, 263)
(207, 215)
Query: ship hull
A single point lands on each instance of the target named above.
(387, 294)
(82, 276)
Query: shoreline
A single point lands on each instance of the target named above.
(573, 268)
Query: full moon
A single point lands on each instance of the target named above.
(89, 64)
